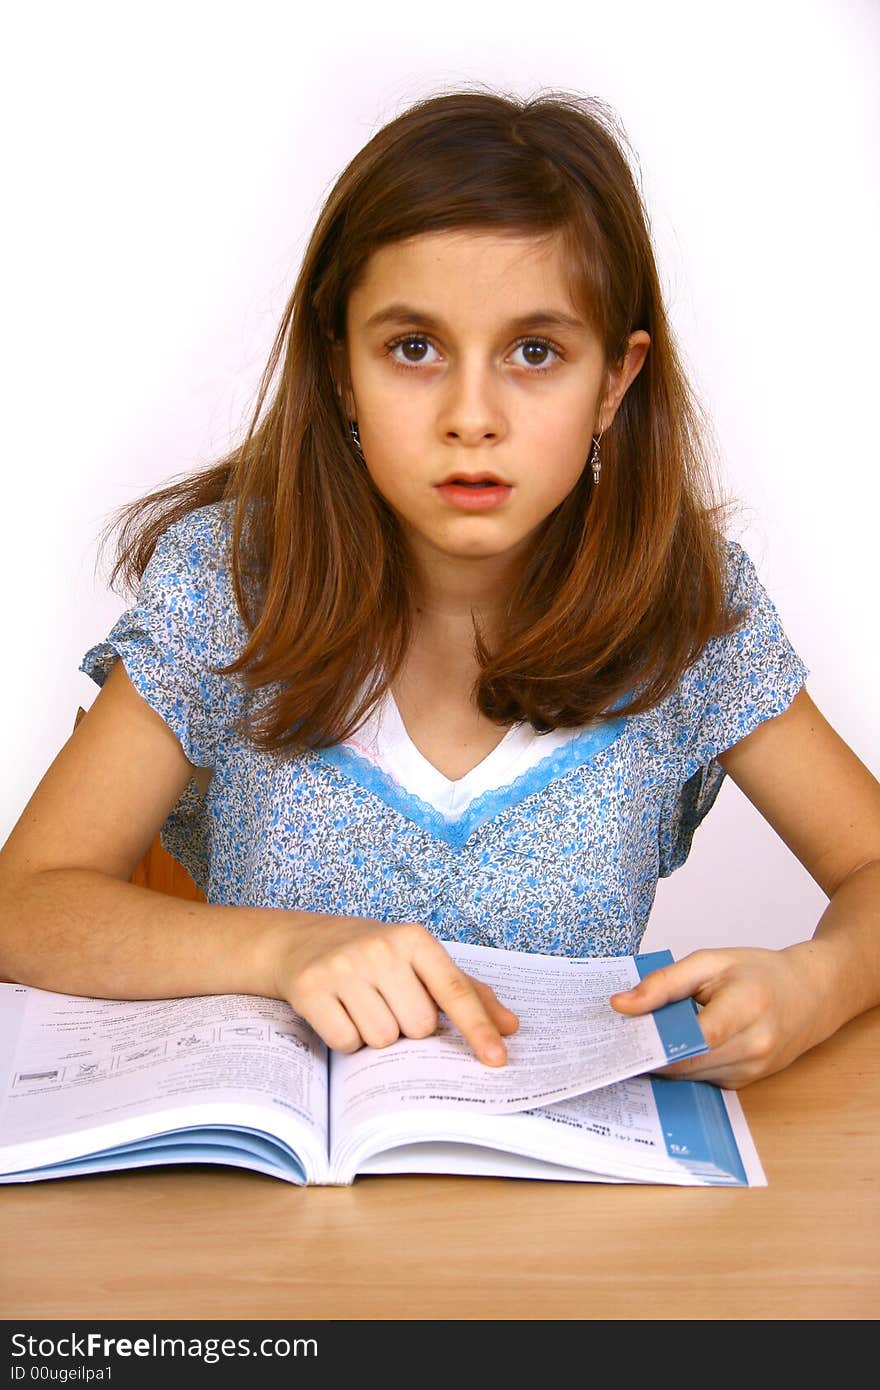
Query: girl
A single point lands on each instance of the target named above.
(452, 647)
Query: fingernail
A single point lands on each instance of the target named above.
(495, 1052)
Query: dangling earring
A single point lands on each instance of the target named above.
(356, 437)
(595, 461)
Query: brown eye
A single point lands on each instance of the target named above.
(406, 344)
(539, 346)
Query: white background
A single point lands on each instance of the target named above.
(163, 168)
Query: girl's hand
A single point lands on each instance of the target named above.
(357, 982)
(761, 1008)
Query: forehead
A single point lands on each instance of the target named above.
(468, 268)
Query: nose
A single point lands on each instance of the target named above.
(471, 409)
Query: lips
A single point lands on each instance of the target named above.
(474, 492)
(471, 478)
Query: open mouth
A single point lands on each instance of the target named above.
(479, 480)
(475, 494)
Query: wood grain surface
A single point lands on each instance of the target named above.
(203, 1242)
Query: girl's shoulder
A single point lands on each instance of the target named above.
(739, 573)
(759, 633)
(191, 567)
(186, 591)
(201, 538)
(738, 679)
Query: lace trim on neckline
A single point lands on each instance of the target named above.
(489, 803)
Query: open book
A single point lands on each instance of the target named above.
(88, 1085)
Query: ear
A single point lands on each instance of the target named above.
(622, 375)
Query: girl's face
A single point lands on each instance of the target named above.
(466, 355)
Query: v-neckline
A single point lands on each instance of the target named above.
(495, 754)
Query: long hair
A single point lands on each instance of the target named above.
(622, 585)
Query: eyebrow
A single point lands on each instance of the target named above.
(538, 318)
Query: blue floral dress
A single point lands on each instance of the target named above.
(554, 843)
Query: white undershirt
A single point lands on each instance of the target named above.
(384, 741)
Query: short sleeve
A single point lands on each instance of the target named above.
(168, 639)
(737, 682)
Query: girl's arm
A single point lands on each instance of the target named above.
(763, 1008)
(71, 921)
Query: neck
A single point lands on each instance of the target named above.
(451, 592)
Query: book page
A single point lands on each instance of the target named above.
(72, 1065)
(570, 1041)
(610, 1134)
(626, 1132)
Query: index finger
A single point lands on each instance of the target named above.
(457, 996)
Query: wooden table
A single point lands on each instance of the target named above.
(211, 1243)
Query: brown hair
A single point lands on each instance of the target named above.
(623, 584)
